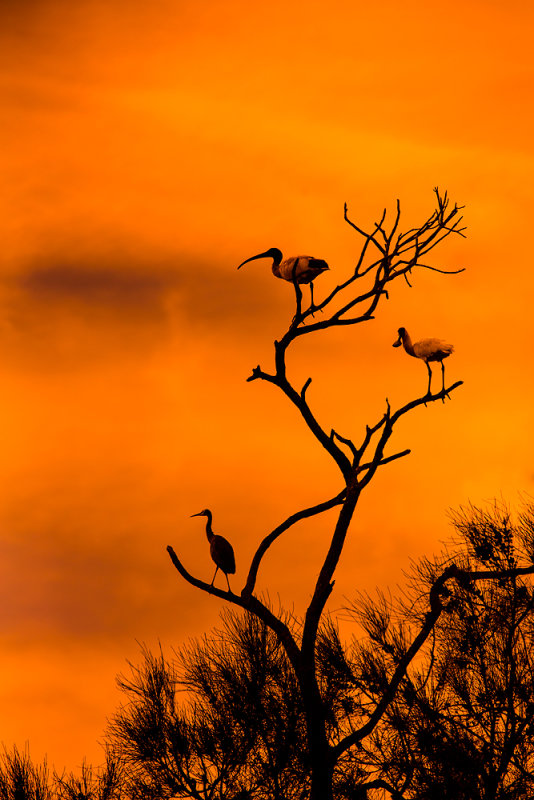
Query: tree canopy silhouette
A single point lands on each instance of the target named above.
(462, 723)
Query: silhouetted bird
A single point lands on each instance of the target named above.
(302, 269)
(427, 350)
(221, 550)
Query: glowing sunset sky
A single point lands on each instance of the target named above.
(146, 150)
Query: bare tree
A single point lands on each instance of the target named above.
(386, 255)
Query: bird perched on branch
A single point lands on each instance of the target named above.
(221, 550)
(299, 269)
(427, 350)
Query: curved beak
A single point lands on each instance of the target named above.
(253, 258)
(398, 342)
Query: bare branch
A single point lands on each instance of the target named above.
(409, 267)
(249, 603)
(284, 526)
(299, 400)
(442, 271)
(407, 249)
(369, 236)
(259, 374)
(350, 444)
(429, 398)
(387, 423)
(383, 460)
(305, 389)
(324, 583)
(205, 587)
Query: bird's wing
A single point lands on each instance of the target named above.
(223, 554)
(427, 348)
(307, 268)
(287, 266)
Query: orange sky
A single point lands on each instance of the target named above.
(146, 150)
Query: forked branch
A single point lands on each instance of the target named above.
(398, 254)
(284, 526)
(249, 603)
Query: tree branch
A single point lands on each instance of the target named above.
(432, 616)
(407, 249)
(284, 526)
(383, 461)
(387, 422)
(249, 603)
(324, 584)
(299, 401)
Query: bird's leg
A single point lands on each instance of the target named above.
(214, 574)
(313, 307)
(429, 378)
(228, 582)
(443, 381)
(298, 295)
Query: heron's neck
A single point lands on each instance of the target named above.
(209, 529)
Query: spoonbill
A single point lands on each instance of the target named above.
(221, 550)
(301, 269)
(427, 350)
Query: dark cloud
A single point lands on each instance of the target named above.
(64, 312)
(35, 97)
(205, 293)
(115, 286)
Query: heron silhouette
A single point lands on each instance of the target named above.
(222, 552)
(427, 350)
